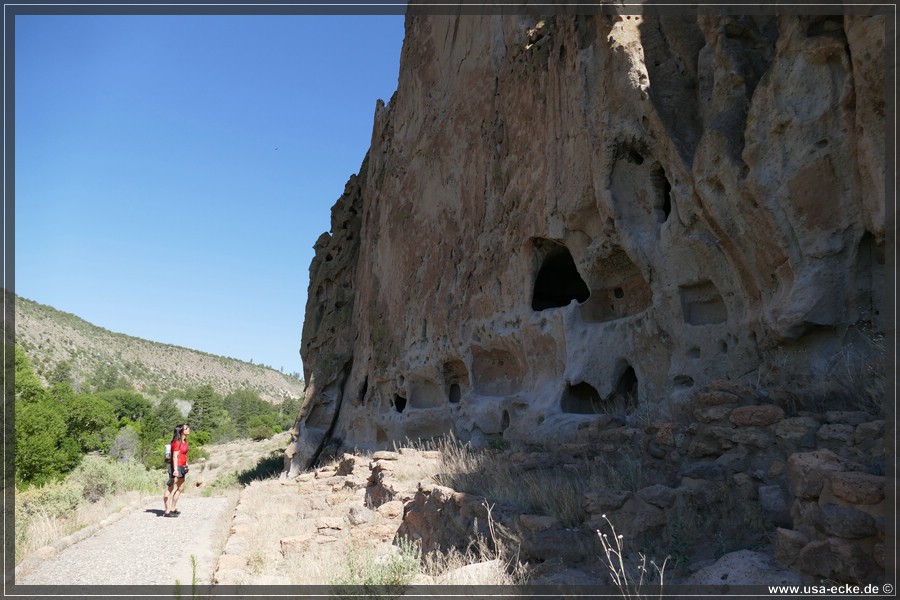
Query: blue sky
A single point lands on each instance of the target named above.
(173, 172)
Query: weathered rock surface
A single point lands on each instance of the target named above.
(567, 231)
(744, 567)
(590, 214)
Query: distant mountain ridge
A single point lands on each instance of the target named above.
(50, 337)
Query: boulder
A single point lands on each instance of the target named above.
(490, 572)
(838, 560)
(808, 471)
(756, 416)
(845, 522)
(744, 567)
(858, 488)
(788, 544)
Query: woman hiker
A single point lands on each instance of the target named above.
(178, 468)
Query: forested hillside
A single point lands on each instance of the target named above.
(62, 346)
(82, 389)
(56, 425)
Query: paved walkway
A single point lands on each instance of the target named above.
(143, 548)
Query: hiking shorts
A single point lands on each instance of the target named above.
(182, 471)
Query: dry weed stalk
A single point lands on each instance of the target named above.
(615, 562)
(552, 490)
(382, 573)
(480, 550)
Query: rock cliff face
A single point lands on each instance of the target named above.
(567, 217)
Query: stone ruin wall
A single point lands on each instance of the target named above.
(570, 215)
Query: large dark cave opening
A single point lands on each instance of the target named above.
(558, 281)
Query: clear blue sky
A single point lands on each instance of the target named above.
(173, 172)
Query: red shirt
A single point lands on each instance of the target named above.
(182, 448)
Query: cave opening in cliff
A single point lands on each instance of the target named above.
(870, 262)
(558, 280)
(618, 288)
(627, 388)
(456, 375)
(663, 189)
(667, 200)
(582, 399)
(702, 304)
(399, 403)
(364, 388)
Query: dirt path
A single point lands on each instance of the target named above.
(143, 548)
(310, 530)
(302, 532)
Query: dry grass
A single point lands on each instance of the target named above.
(220, 472)
(412, 467)
(555, 490)
(499, 552)
(853, 378)
(390, 569)
(38, 526)
(46, 514)
(97, 488)
(355, 556)
(275, 517)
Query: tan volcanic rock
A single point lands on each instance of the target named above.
(575, 215)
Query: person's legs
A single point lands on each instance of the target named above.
(179, 483)
(167, 495)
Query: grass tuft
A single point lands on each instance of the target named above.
(386, 573)
(555, 490)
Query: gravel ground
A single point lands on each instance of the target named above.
(143, 548)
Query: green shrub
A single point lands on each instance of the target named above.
(99, 477)
(195, 453)
(388, 573)
(221, 483)
(55, 499)
(199, 438)
(261, 432)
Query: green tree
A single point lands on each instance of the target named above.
(155, 431)
(208, 412)
(106, 377)
(262, 427)
(61, 393)
(44, 451)
(242, 405)
(62, 373)
(127, 404)
(28, 386)
(166, 415)
(288, 412)
(91, 422)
